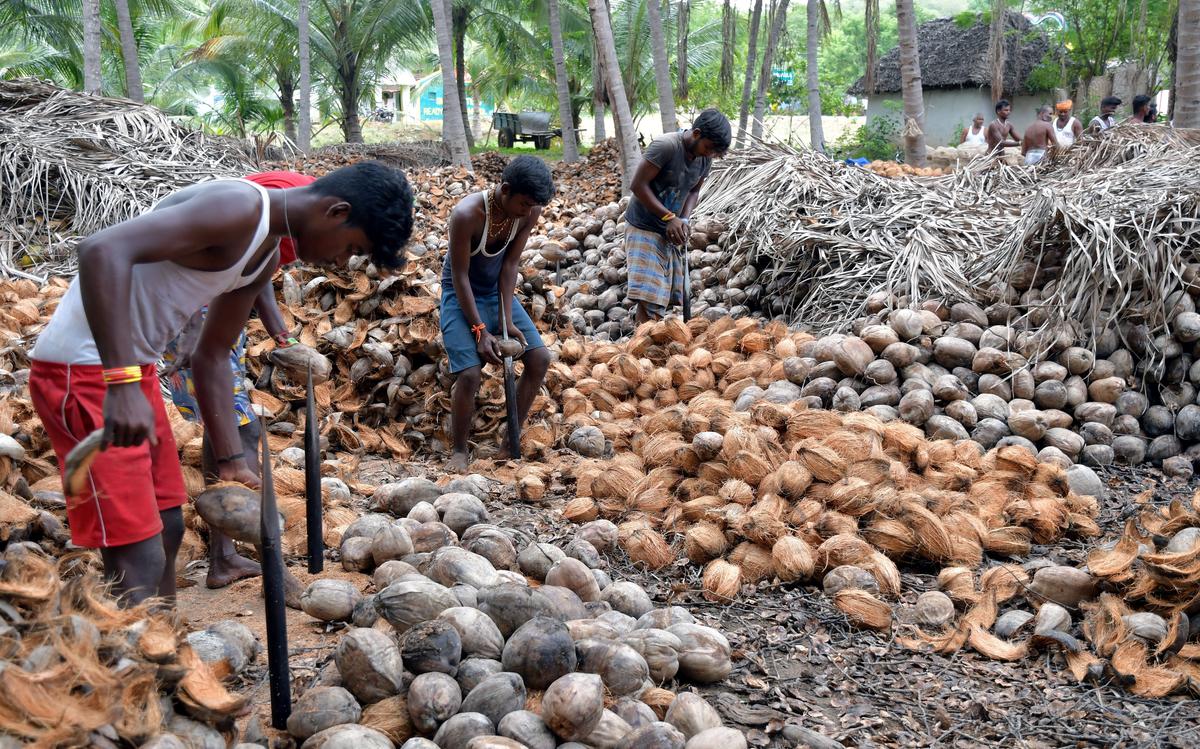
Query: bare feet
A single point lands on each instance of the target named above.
(458, 463)
(225, 570)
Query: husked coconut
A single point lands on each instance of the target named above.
(432, 699)
(320, 708)
(705, 655)
(692, 714)
(573, 705)
(1066, 586)
(330, 600)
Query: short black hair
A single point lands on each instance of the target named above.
(1110, 101)
(715, 126)
(529, 176)
(381, 204)
(1140, 101)
(1002, 104)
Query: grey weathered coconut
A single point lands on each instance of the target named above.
(1083, 480)
(432, 699)
(330, 600)
(528, 728)
(692, 714)
(536, 559)
(628, 598)
(349, 737)
(452, 565)
(945, 428)
(705, 655)
(848, 576)
(659, 648)
(479, 634)
(473, 671)
(457, 732)
(390, 543)
(461, 511)
(320, 708)
(195, 735)
(663, 618)
(540, 651)
(401, 497)
(496, 696)
(511, 605)
(601, 534)
(635, 712)
(370, 665)
(588, 441)
(610, 732)
(573, 705)
(584, 552)
(622, 668)
(405, 604)
(356, 554)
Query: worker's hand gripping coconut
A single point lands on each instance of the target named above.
(488, 231)
(666, 188)
(215, 245)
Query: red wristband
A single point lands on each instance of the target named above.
(478, 331)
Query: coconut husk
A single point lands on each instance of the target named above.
(864, 609)
(722, 580)
(648, 547)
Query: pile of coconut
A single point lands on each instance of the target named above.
(763, 487)
(475, 635)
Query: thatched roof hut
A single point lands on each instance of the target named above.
(954, 56)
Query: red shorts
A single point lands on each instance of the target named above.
(129, 486)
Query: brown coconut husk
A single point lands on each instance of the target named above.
(761, 528)
(704, 542)
(722, 580)
(843, 548)
(890, 536)
(995, 648)
(657, 698)
(863, 609)
(648, 547)
(580, 510)
(794, 559)
(389, 716)
(755, 561)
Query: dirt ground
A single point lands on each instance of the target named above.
(802, 675)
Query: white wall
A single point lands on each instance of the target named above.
(947, 111)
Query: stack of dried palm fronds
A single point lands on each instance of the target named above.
(401, 155)
(72, 164)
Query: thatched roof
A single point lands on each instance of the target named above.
(956, 57)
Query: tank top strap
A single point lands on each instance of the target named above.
(487, 220)
(260, 234)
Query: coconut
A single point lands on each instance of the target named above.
(718, 738)
(635, 712)
(1148, 627)
(495, 546)
(565, 604)
(423, 512)
(1067, 586)
(628, 598)
(390, 543)
(320, 708)
(330, 600)
(692, 714)
(1011, 622)
(705, 655)
(660, 649)
(353, 737)
(494, 742)
(622, 668)
(527, 728)
(1050, 618)
(390, 572)
(401, 497)
(575, 576)
(934, 609)
(588, 441)
(703, 542)
(510, 606)
(536, 559)
(655, 735)
(540, 651)
(609, 733)
(233, 509)
(461, 511)
(405, 604)
(473, 671)
(356, 554)
(601, 534)
(665, 617)
(847, 576)
(452, 565)
(429, 537)
(432, 646)
(496, 697)
(461, 729)
(432, 698)
(573, 705)
(370, 665)
(479, 636)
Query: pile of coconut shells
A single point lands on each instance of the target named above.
(586, 257)
(476, 636)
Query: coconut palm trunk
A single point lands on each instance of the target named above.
(910, 82)
(748, 81)
(764, 76)
(681, 49)
(871, 21)
(1187, 66)
(816, 130)
(728, 40)
(304, 129)
(570, 148)
(598, 97)
(454, 130)
(622, 117)
(460, 17)
(129, 53)
(662, 68)
(996, 51)
(93, 83)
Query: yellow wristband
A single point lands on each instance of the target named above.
(668, 218)
(122, 375)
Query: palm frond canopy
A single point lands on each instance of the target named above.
(956, 57)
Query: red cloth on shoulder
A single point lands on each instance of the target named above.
(281, 181)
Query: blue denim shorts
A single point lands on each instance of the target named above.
(457, 337)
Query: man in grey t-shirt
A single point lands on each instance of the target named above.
(666, 187)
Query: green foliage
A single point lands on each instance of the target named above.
(877, 140)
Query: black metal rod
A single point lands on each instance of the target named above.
(510, 395)
(273, 592)
(313, 511)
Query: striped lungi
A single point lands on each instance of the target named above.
(655, 270)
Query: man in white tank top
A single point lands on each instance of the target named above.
(1067, 129)
(93, 365)
(488, 231)
(974, 134)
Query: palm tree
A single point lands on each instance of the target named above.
(565, 114)
(1187, 66)
(751, 59)
(460, 18)
(996, 49)
(454, 130)
(662, 68)
(304, 134)
(92, 81)
(764, 76)
(910, 82)
(622, 117)
(129, 52)
(728, 41)
(598, 95)
(683, 21)
(816, 133)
